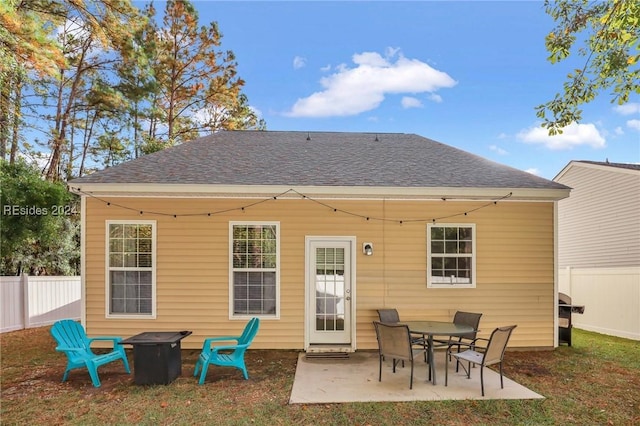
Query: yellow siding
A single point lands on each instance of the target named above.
(515, 271)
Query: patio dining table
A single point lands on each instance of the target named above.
(436, 328)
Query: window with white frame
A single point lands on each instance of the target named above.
(254, 269)
(451, 255)
(131, 268)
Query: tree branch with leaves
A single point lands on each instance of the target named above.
(607, 35)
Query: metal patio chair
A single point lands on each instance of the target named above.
(492, 353)
(461, 317)
(394, 341)
(391, 316)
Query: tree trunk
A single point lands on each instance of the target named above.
(5, 101)
(15, 137)
(62, 117)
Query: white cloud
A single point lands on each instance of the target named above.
(435, 98)
(618, 131)
(633, 124)
(390, 52)
(411, 102)
(351, 91)
(370, 58)
(628, 108)
(573, 135)
(533, 171)
(299, 62)
(498, 150)
(326, 68)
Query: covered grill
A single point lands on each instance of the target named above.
(565, 309)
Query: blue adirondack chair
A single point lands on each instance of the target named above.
(73, 341)
(227, 355)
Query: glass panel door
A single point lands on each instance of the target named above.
(329, 292)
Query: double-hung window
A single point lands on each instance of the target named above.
(254, 269)
(131, 269)
(451, 255)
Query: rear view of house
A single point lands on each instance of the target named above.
(599, 245)
(312, 232)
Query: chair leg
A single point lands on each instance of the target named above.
(203, 374)
(93, 373)
(244, 372)
(411, 380)
(482, 379)
(458, 362)
(446, 368)
(380, 370)
(501, 382)
(126, 364)
(467, 369)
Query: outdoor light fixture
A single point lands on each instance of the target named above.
(367, 248)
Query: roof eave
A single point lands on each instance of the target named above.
(288, 191)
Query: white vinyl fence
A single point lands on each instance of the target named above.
(28, 302)
(611, 297)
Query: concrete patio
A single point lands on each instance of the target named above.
(356, 380)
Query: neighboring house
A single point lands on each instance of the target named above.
(207, 234)
(599, 245)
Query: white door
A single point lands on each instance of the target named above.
(329, 292)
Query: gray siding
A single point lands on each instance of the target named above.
(599, 224)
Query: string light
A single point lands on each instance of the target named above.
(304, 197)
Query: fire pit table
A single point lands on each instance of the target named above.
(157, 358)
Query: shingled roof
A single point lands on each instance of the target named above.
(294, 158)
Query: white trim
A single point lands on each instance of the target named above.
(474, 255)
(278, 263)
(556, 276)
(604, 167)
(153, 271)
(348, 192)
(307, 283)
(83, 260)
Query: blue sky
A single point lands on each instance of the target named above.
(467, 74)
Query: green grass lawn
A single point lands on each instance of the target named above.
(594, 382)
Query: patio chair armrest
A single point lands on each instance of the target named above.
(481, 338)
(66, 349)
(418, 337)
(207, 342)
(471, 344)
(114, 339)
(217, 349)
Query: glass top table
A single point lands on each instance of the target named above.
(436, 328)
